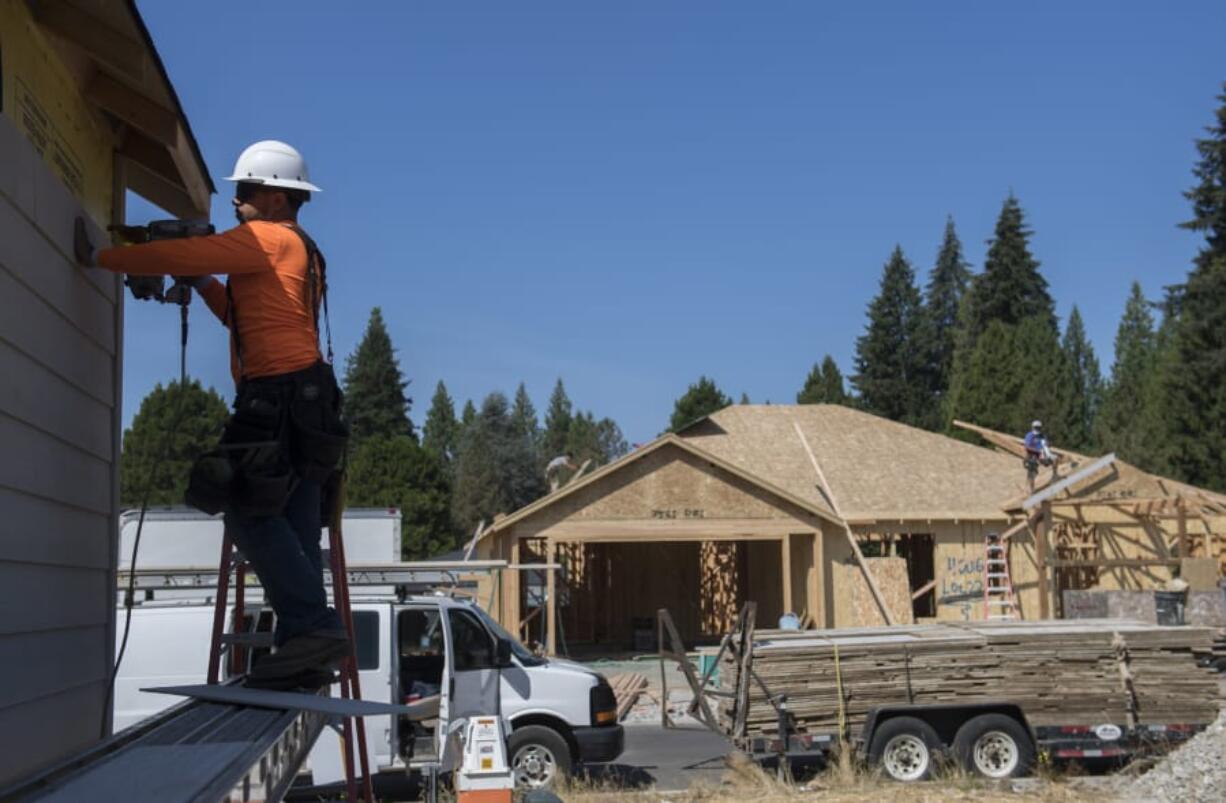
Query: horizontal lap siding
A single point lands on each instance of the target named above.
(59, 400)
(46, 728)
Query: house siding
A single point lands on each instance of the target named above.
(60, 344)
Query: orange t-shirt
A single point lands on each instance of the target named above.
(267, 267)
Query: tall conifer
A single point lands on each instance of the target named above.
(1195, 387)
(557, 423)
(441, 428)
(1010, 289)
(375, 402)
(823, 385)
(890, 363)
(699, 400)
(1119, 426)
(947, 286)
(1084, 385)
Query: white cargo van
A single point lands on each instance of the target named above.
(559, 712)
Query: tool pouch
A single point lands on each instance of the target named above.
(250, 472)
(320, 433)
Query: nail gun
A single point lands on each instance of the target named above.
(145, 288)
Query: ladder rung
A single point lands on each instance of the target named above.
(997, 574)
(1000, 602)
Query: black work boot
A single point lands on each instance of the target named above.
(319, 650)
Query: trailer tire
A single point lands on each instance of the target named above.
(994, 746)
(539, 757)
(905, 748)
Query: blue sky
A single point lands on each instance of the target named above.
(628, 195)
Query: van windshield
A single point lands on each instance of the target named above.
(521, 652)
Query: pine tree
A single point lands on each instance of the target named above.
(701, 399)
(1119, 426)
(173, 426)
(523, 414)
(600, 441)
(1011, 294)
(890, 364)
(1014, 374)
(612, 443)
(823, 385)
(1010, 289)
(557, 423)
(397, 472)
(375, 402)
(496, 471)
(744, 398)
(947, 286)
(1195, 385)
(1084, 384)
(468, 414)
(441, 429)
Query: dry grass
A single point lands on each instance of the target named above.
(843, 780)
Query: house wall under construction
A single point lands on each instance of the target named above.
(67, 77)
(684, 531)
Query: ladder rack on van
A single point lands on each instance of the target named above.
(193, 751)
(372, 574)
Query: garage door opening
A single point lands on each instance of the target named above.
(609, 593)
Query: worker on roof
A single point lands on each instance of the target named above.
(553, 470)
(1038, 452)
(281, 447)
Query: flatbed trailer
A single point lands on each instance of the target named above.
(994, 738)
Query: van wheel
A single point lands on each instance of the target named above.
(994, 746)
(539, 757)
(905, 748)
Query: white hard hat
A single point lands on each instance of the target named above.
(1036, 424)
(273, 164)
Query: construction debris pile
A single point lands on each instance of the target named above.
(1059, 672)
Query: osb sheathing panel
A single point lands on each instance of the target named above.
(668, 489)
(958, 563)
(876, 468)
(855, 605)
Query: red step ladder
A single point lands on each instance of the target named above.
(236, 643)
(998, 601)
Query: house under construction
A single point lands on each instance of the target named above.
(840, 517)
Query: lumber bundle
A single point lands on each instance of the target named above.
(626, 689)
(1060, 672)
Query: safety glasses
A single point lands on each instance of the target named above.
(244, 191)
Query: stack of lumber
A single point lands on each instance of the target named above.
(1060, 673)
(627, 688)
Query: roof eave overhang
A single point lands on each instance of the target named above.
(124, 75)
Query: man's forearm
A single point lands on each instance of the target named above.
(235, 251)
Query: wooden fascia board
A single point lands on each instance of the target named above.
(196, 183)
(97, 39)
(1077, 476)
(154, 120)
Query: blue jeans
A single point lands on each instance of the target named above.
(284, 551)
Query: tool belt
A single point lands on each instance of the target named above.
(284, 429)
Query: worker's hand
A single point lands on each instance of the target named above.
(179, 293)
(131, 234)
(82, 248)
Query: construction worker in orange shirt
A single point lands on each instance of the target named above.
(283, 444)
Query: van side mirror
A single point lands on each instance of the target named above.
(503, 654)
